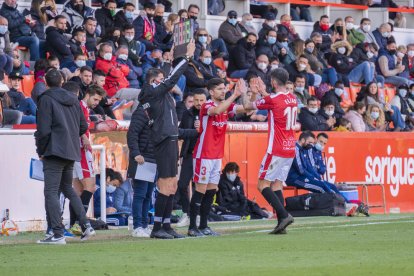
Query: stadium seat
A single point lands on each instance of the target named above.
(311, 90)
(219, 62)
(27, 85)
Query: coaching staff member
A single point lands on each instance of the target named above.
(158, 102)
(60, 123)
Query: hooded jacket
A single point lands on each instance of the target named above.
(342, 63)
(58, 44)
(115, 74)
(75, 18)
(265, 29)
(160, 105)
(60, 123)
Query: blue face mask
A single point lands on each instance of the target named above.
(284, 44)
(202, 39)
(233, 21)
(207, 61)
(3, 29)
(271, 40)
(318, 147)
(129, 15)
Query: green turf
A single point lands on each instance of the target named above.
(379, 245)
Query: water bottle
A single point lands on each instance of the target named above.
(130, 223)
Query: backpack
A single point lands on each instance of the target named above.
(321, 91)
(98, 224)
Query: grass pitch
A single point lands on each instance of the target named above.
(378, 245)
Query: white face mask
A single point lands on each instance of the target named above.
(339, 92)
(274, 66)
(129, 38)
(411, 53)
(123, 56)
(329, 112)
(318, 147)
(342, 50)
(302, 66)
(349, 26)
(374, 115)
(400, 55)
(313, 110)
(370, 55)
(262, 66)
(386, 34)
(272, 24)
(231, 176)
(110, 188)
(402, 92)
(80, 63)
(366, 28)
(249, 23)
(107, 56)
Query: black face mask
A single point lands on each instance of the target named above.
(79, 8)
(150, 15)
(308, 147)
(317, 45)
(339, 29)
(392, 52)
(114, 38)
(193, 17)
(158, 19)
(249, 45)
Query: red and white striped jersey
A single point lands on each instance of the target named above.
(283, 111)
(85, 110)
(210, 143)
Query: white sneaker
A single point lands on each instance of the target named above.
(184, 221)
(351, 209)
(148, 230)
(140, 233)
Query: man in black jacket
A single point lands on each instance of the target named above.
(57, 42)
(125, 16)
(312, 120)
(60, 122)
(260, 69)
(242, 56)
(105, 17)
(90, 28)
(190, 120)
(156, 99)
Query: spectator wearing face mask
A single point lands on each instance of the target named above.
(105, 16)
(311, 119)
(322, 27)
(375, 119)
(76, 12)
(204, 41)
(78, 42)
(136, 49)
(115, 73)
(246, 25)
(268, 24)
(286, 27)
(409, 60)
(400, 101)
(145, 26)
(267, 46)
(57, 42)
(356, 117)
(77, 64)
(230, 30)
(242, 57)
(300, 91)
(164, 36)
(6, 53)
(401, 57)
(382, 34)
(286, 54)
(194, 73)
(125, 16)
(335, 96)
(134, 72)
(327, 111)
(301, 67)
(113, 38)
(353, 36)
(207, 67)
(260, 69)
(365, 29)
(346, 66)
(389, 67)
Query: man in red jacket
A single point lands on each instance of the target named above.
(115, 73)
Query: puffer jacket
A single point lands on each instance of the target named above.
(17, 22)
(115, 75)
(75, 19)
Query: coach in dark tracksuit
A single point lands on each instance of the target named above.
(157, 100)
(60, 123)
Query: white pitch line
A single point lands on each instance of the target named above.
(336, 226)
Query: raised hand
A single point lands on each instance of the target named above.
(191, 48)
(240, 88)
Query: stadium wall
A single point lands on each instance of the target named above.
(379, 157)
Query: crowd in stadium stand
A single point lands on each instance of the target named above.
(117, 48)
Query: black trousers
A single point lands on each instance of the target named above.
(58, 177)
(186, 175)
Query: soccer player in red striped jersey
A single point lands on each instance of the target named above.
(83, 172)
(280, 152)
(209, 151)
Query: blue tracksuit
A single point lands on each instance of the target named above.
(317, 161)
(302, 174)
